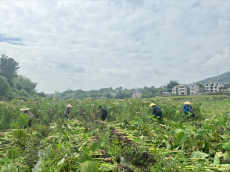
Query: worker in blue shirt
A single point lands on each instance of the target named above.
(156, 111)
(187, 108)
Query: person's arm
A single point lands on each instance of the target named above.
(192, 109)
(154, 110)
(30, 114)
(101, 112)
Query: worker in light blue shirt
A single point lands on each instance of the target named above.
(187, 108)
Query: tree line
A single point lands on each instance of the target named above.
(13, 85)
(117, 93)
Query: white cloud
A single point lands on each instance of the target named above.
(94, 44)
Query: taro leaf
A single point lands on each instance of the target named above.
(6, 160)
(201, 132)
(16, 124)
(198, 154)
(19, 135)
(219, 124)
(84, 136)
(84, 157)
(216, 161)
(226, 146)
(190, 128)
(89, 166)
(12, 154)
(181, 137)
(86, 150)
(22, 122)
(226, 156)
(86, 129)
(89, 134)
(219, 154)
(95, 147)
(24, 115)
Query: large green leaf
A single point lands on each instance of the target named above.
(201, 132)
(198, 154)
(86, 150)
(84, 157)
(226, 146)
(19, 135)
(95, 147)
(86, 129)
(24, 115)
(22, 122)
(216, 161)
(89, 166)
(12, 154)
(181, 137)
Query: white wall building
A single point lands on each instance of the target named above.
(213, 86)
(137, 94)
(185, 89)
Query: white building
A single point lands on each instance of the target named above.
(185, 89)
(137, 94)
(213, 86)
(112, 94)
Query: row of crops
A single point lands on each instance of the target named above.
(130, 139)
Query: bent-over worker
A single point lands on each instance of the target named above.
(31, 116)
(68, 111)
(156, 111)
(188, 108)
(104, 113)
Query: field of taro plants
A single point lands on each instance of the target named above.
(129, 140)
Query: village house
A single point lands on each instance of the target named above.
(213, 86)
(137, 94)
(185, 89)
(221, 86)
(112, 94)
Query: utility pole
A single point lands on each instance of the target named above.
(217, 74)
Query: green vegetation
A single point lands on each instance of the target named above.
(130, 140)
(13, 85)
(225, 77)
(117, 93)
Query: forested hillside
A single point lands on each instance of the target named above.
(225, 77)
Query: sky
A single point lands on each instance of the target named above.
(130, 43)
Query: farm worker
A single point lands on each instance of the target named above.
(188, 108)
(104, 113)
(156, 110)
(31, 116)
(68, 111)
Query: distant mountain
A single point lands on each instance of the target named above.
(225, 77)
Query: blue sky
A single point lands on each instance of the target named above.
(96, 44)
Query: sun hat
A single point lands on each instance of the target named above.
(187, 103)
(24, 109)
(152, 104)
(69, 105)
